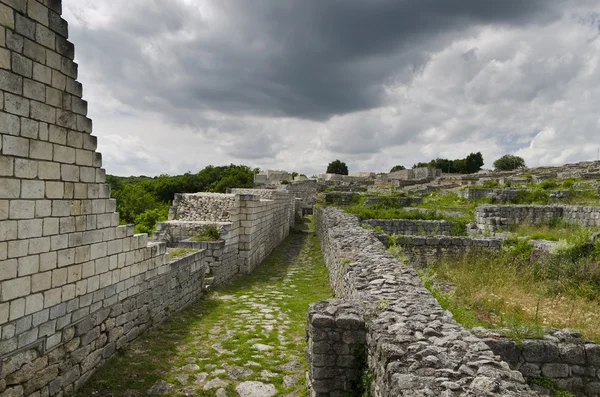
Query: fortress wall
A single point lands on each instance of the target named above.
(209, 207)
(263, 224)
(257, 225)
(412, 345)
(495, 217)
(74, 285)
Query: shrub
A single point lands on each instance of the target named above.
(210, 233)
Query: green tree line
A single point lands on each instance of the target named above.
(144, 201)
(469, 165)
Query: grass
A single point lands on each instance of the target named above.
(220, 330)
(210, 233)
(558, 230)
(513, 290)
(178, 252)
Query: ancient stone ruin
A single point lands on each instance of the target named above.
(75, 286)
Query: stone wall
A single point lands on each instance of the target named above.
(74, 285)
(257, 225)
(210, 207)
(412, 226)
(495, 217)
(563, 355)
(498, 194)
(413, 346)
(426, 250)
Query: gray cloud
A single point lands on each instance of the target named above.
(380, 82)
(308, 59)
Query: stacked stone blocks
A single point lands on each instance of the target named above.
(412, 226)
(498, 217)
(336, 337)
(74, 285)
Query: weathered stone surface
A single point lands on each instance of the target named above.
(161, 388)
(255, 389)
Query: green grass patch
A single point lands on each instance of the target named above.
(210, 233)
(514, 289)
(220, 330)
(178, 252)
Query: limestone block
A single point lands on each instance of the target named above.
(34, 303)
(29, 129)
(69, 173)
(4, 312)
(22, 66)
(9, 124)
(11, 82)
(4, 58)
(34, 51)
(38, 12)
(41, 282)
(7, 166)
(32, 189)
(28, 265)
(26, 168)
(50, 171)
(59, 81)
(43, 74)
(8, 269)
(42, 112)
(45, 36)
(22, 209)
(15, 146)
(58, 242)
(83, 157)
(30, 228)
(59, 277)
(64, 154)
(15, 288)
(66, 257)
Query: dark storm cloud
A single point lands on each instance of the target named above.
(296, 58)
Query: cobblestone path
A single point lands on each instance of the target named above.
(245, 339)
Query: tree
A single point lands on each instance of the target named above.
(473, 163)
(509, 162)
(337, 167)
(397, 168)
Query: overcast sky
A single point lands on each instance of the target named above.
(175, 85)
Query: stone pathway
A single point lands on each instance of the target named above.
(245, 339)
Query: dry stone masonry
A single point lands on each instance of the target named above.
(413, 347)
(498, 217)
(563, 355)
(424, 250)
(412, 226)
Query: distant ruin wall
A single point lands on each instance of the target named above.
(421, 250)
(495, 217)
(404, 326)
(412, 226)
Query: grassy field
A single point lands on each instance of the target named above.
(513, 290)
